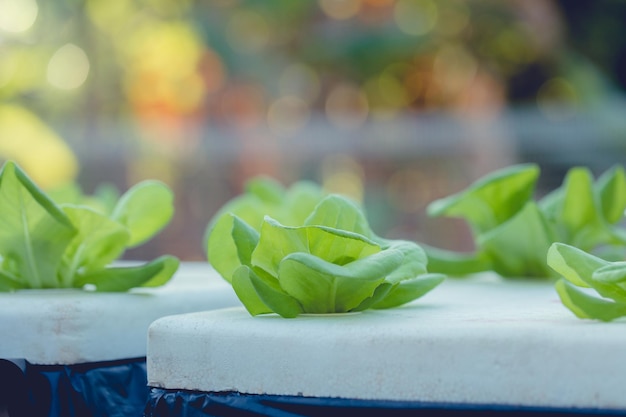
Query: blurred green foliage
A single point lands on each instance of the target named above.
(179, 82)
(230, 61)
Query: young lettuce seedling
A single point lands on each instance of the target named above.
(512, 231)
(45, 244)
(326, 260)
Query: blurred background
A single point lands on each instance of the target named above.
(393, 102)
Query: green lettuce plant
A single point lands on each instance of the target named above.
(512, 230)
(326, 260)
(591, 287)
(49, 244)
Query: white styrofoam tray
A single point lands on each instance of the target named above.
(473, 341)
(74, 326)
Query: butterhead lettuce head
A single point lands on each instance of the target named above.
(331, 262)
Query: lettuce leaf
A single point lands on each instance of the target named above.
(34, 231)
(582, 275)
(512, 231)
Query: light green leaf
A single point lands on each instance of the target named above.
(579, 220)
(611, 188)
(34, 231)
(300, 200)
(324, 287)
(266, 189)
(222, 251)
(575, 265)
(99, 241)
(9, 282)
(289, 206)
(332, 245)
(103, 200)
(261, 197)
(265, 197)
(145, 209)
(379, 293)
(409, 290)
(579, 211)
(492, 199)
(613, 273)
(246, 238)
(518, 247)
(340, 213)
(586, 306)
(119, 279)
(456, 264)
(413, 263)
(105, 196)
(550, 204)
(272, 295)
(275, 242)
(247, 293)
(68, 193)
(169, 265)
(578, 267)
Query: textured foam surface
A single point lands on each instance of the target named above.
(475, 341)
(74, 326)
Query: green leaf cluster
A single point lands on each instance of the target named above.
(513, 231)
(59, 244)
(326, 260)
(591, 287)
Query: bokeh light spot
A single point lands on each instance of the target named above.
(287, 115)
(68, 68)
(392, 90)
(8, 69)
(347, 106)
(415, 17)
(299, 80)
(167, 71)
(557, 99)
(379, 3)
(380, 107)
(342, 174)
(213, 71)
(453, 17)
(17, 16)
(242, 106)
(248, 31)
(415, 82)
(172, 50)
(340, 9)
(454, 68)
(408, 190)
(43, 154)
(110, 15)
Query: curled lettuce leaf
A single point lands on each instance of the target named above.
(491, 200)
(331, 262)
(590, 287)
(67, 240)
